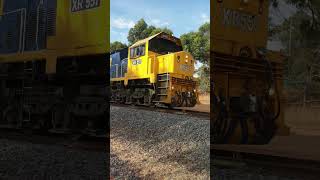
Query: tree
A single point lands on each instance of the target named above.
(117, 45)
(308, 7)
(142, 30)
(300, 35)
(138, 32)
(158, 30)
(204, 80)
(198, 43)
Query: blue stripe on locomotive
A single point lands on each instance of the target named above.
(10, 25)
(119, 63)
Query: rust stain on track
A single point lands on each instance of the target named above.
(287, 153)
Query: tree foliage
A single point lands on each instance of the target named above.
(300, 34)
(117, 45)
(142, 30)
(198, 43)
(204, 78)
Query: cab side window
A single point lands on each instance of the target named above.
(137, 51)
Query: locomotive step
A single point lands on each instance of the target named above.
(161, 75)
(158, 101)
(162, 94)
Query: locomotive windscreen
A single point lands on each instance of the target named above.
(164, 46)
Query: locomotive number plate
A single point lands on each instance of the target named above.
(184, 67)
(240, 20)
(80, 5)
(136, 62)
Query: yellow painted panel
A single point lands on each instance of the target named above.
(138, 67)
(184, 63)
(1, 7)
(235, 23)
(83, 28)
(165, 63)
(84, 32)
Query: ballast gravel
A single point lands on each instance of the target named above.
(28, 161)
(158, 145)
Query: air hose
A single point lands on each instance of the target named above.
(267, 128)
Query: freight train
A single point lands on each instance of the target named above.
(154, 71)
(53, 65)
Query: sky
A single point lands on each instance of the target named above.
(181, 16)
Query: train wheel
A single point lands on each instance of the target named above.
(193, 99)
(60, 120)
(12, 118)
(178, 99)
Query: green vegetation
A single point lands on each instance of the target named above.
(117, 45)
(142, 30)
(198, 44)
(300, 34)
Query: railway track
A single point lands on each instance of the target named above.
(71, 141)
(193, 113)
(281, 166)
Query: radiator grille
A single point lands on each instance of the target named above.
(51, 18)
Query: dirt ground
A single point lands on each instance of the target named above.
(303, 120)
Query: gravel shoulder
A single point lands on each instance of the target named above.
(158, 145)
(29, 161)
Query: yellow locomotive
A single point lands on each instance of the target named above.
(246, 77)
(155, 70)
(53, 65)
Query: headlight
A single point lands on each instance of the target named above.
(245, 1)
(172, 87)
(271, 92)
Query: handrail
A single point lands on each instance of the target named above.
(37, 29)
(117, 70)
(167, 83)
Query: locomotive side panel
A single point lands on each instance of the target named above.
(53, 28)
(54, 65)
(239, 27)
(81, 25)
